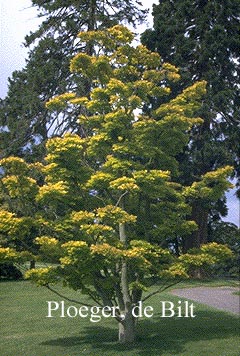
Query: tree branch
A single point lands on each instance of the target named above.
(159, 290)
(69, 299)
(120, 198)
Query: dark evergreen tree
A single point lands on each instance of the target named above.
(24, 119)
(202, 39)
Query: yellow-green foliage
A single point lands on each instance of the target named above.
(7, 220)
(125, 184)
(15, 227)
(16, 181)
(52, 192)
(100, 180)
(43, 276)
(59, 102)
(13, 165)
(110, 38)
(218, 251)
(211, 186)
(107, 201)
(114, 214)
(20, 187)
(185, 103)
(175, 272)
(50, 248)
(83, 217)
(10, 255)
(205, 256)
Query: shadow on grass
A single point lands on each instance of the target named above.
(158, 335)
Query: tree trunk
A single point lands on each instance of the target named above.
(198, 237)
(32, 264)
(127, 328)
(127, 325)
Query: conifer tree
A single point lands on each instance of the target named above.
(202, 39)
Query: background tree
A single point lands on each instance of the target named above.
(23, 115)
(109, 199)
(202, 39)
(228, 234)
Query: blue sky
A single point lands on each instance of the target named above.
(17, 19)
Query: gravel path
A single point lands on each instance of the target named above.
(218, 297)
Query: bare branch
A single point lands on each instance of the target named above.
(159, 291)
(120, 198)
(69, 299)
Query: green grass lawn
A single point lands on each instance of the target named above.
(25, 330)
